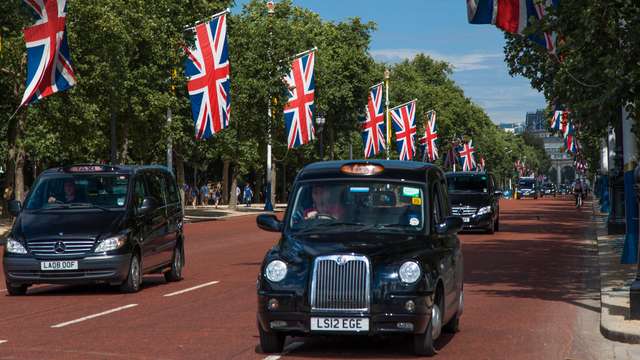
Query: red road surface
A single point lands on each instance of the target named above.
(529, 295)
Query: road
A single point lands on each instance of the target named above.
(531, 293)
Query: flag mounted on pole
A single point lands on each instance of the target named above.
(373, 127)
(208, 82)
(298, 112)
(404, 124)
(428, 143)
(49, 68)
(467, 159)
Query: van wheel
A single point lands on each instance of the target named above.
(491, 229)
(134, 277)
(271, 342)
(175, 274)
(16, 290)
(423, 343)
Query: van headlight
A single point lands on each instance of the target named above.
(484, 210)
(276, 271)
(409, 272)
(111, 243)
(15, 247)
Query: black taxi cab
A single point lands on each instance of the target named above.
(367, 248)
(96, 224)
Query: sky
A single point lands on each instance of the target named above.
(439, 29)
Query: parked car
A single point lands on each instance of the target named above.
(96, 224)
(366, 248)
(528, 187)
(474, 197)
(549, 189)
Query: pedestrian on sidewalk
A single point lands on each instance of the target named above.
(204, 194)
(217, 194)
(248, 195)
(238, 192)
(194, 195)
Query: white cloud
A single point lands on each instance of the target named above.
(463, 62)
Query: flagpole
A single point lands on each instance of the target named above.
(403, 104)
(387, 73)
(226, 11)
(315, 48)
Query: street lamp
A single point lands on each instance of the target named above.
(268, 206)
(320, 121)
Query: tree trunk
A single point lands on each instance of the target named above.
(180, 177)
(274, 178)
(225, 182)
(125, 143)
(14, 177)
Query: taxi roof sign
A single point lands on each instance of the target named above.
(88, 168)
(362, 169)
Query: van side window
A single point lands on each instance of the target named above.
(138, 192)
(172, 190)
(155, 183)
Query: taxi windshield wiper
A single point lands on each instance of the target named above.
(317, 227)
(86, 205)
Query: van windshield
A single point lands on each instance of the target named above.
(362, 206)
(526, 184)
(79, 190)
(470, 183)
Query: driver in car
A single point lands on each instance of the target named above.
(325, 204)
(69, 193)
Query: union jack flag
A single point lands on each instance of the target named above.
(373, 127)
(207, 70)
(556, 120)
(404, 123)
(451, 156)
(481, 164)
(428, 142)
(298, 112)
(49, 68)
(467, 158)
(567, 128)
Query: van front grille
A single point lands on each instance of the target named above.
(60, 247)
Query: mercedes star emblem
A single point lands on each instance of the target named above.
(60, 247)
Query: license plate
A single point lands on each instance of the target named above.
(58, 265)
(465, 219)
(339, 324)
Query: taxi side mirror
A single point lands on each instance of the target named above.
(269, 222)
(451, 225)
(14, 207)
(148, 205)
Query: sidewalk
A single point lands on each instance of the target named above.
(210, 212)
(615, 279)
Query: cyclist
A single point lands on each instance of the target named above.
(578, 192)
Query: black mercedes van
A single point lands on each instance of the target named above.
(96, 224)
(474, 197)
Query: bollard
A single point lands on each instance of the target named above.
(634, 291)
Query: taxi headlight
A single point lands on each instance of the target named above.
(276, 270)
(484, 210)
(409, 272)
(15, 247)
(111, 243)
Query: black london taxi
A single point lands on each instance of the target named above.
(96, 224)
(367, 248)
(474, 197)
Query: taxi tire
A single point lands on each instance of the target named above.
(271, 342)
(16, 290)
(423, 344)
(131, 284)
(175, 274)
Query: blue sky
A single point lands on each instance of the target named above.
(439, 28)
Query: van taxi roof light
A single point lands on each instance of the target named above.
(88, 168)
(362, 169)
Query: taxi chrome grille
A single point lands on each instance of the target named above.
(60, 247)
(340, 283)
(463, 210)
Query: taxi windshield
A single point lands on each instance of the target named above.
(367, 206)
(471, 183)
(65, 191)
(527, 184)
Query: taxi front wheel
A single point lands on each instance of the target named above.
(271, 342)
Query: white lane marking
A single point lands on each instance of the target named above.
(94, 316)
(289, 348)
(191, 288)
(3, 341)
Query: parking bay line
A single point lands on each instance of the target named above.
(94, 316)
(191, 289)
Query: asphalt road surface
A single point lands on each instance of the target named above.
(531, 293)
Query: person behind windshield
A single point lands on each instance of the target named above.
(325, 203)
(69, 195)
